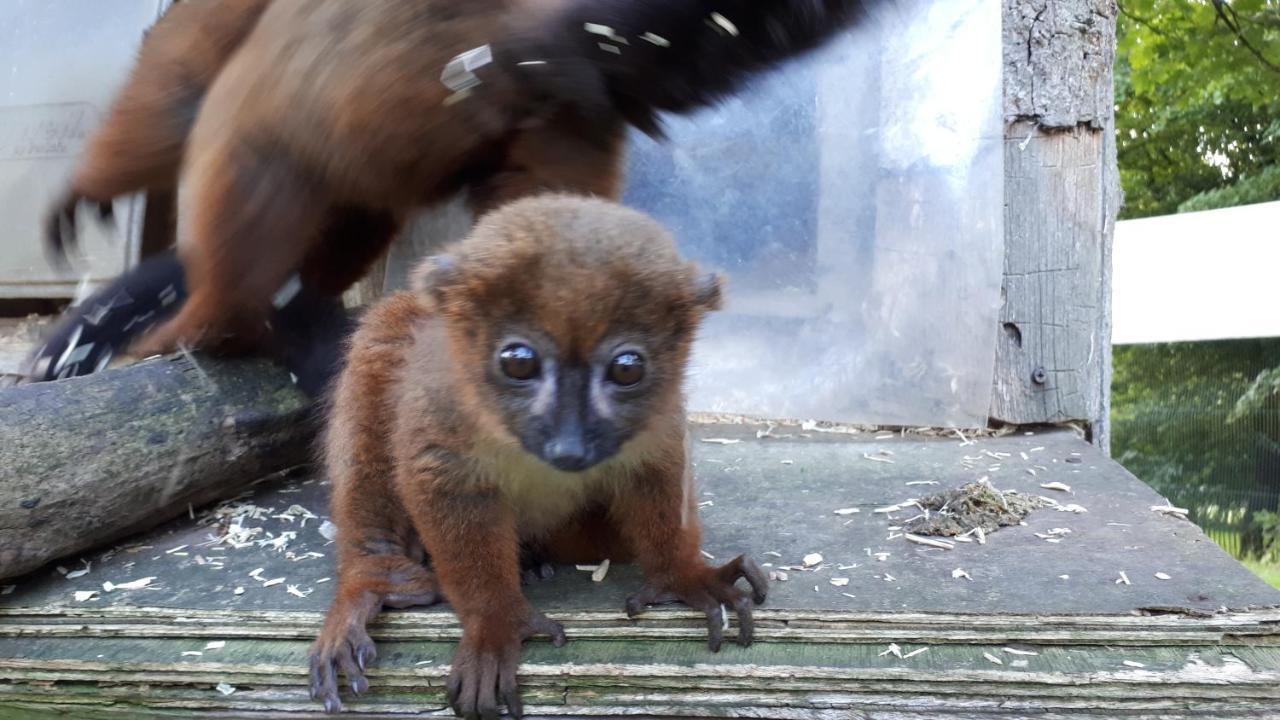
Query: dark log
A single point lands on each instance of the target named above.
(89, 460)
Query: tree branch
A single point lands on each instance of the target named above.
(1230, 18)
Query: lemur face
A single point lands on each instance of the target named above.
(570, 321)
(574, 411)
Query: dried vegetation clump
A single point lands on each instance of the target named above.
(976, 506)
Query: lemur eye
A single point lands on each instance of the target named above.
(519, 362)
(626, 369)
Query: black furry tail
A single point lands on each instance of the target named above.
(309, 338)
(652, 56)
(90, 334)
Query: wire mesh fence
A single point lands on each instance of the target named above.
(1181, 421)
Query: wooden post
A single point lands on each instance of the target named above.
(1062, 194)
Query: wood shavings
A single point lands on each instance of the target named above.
(424, 662)
(85, 595)
(849, 595)
(8, 589)
(992, 658)
(930, 542)
(1132, 664)
(707, 555)
(706, 503)
(609, 47)
(839, 581)
(1015, 651)
(458, 74)
(272, 583)
(1123, 579)
(1171, 510)
(724, 23)
(192, 653)
(77, 573)
(239, 591)
(656, 39)
(323, 580)
(225, 688)
(293, 590)
(788, 462)
(893, 649)
(721, 441)
(215, 645)
(773, 553)
(256, 574)
(1064, 577)
(958, 573)
(173, 550)
(876, 458)
(606, 32)
(915, 652)
(296, 512)
(328, 530)
(599, 573)
(846, 511)
(779, 575)
(1071, 508)
(921, 482)
(881, 556)
(812, 559)
(888, 578)
(131, 585)
(1056, 486)
(1163, 576)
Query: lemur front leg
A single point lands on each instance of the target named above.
(470, 533)
(659, 519)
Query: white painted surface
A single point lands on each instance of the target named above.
(1209, 275)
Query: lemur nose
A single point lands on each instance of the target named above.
(566, 453)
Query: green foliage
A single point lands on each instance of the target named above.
(1198, 99)
(1267, 525)
(1179, 424)
(1249, 189)
(1264, 389)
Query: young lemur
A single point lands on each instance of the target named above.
(527, 394)
(303, 132)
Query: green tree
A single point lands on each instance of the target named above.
(1198, 104)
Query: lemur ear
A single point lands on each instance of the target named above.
(707, 291)
(434, 275)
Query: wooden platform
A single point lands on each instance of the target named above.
(1045, 627)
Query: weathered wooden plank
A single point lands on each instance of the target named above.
(764, 496)
(1051, 350)
(600, 678)
(89, 460)
(1057, 61)
(1061, 198)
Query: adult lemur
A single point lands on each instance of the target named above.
(527, 395)
(303, 132)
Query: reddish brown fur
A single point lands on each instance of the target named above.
(416, 452)
(296, 115)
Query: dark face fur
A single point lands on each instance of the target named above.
(570, 322)
(575, 410)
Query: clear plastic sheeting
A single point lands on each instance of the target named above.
(854, 201)
(61, 64)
